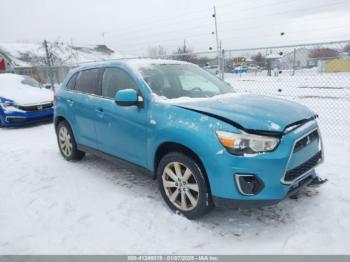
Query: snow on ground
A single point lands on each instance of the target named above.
(51, 206)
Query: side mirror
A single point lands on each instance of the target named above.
(126, 97)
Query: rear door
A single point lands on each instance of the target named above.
(87, 90)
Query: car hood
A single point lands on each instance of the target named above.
(251, 112)
(11, 88)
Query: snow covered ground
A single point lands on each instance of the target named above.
(51, 206)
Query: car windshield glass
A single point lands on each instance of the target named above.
(183, 80)
(30, 81)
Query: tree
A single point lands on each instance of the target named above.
(347, 48)
(259, 59)
(319, 53)
(184, 53)
(156, 51)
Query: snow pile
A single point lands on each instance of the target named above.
(13, 87)
(33, 54)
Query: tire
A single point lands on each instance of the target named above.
(66, 142)
(187, 193)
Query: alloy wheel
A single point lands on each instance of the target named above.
(180, 186)
(65, 141)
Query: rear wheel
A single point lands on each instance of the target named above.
(66, 142)
(183, 185)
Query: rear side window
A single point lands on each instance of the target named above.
(71, 82)
(88, 81)
(115, 79)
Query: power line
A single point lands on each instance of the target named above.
(156, 22)
(291, 11)
(113, 36)
(235, 29)
(175, 43)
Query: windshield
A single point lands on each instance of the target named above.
(183, 80)
(30, 81)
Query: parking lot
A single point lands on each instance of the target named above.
(51, 206)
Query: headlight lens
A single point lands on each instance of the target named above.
(241, 144)
(6, 103)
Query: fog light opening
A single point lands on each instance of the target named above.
(248, 184)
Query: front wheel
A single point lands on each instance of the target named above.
(183, 185)
(66, 142)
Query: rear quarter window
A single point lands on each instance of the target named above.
(71, 83)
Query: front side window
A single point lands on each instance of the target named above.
(192, 82)
(88, 81)
(115, 79)
(183, 80)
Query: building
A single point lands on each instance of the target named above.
(30, 58)
(298, 58)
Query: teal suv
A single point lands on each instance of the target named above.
(205, 144)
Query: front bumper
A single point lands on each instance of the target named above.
(19, 118)
(271, 168)
(236, 203)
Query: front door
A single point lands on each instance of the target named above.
(121, 130)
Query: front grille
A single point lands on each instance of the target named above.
(303, 168)
(35, 108)
(23, 120)
(306, 140)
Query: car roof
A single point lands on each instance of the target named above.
(132, 63)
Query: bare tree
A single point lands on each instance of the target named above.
(259, 59)
(346, 49)
(319, 53)
(185, 53)
(156, 51)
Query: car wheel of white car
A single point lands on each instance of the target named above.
(66, 142)
(183, 185)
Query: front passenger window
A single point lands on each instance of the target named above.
(115, 79)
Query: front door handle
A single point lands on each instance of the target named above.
(100, 112)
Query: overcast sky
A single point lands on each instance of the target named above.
(132, 26)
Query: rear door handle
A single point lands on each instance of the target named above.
(70, 101)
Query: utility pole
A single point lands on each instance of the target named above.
(48, 61)
(223, 62)
(294, 57)
(217, 41)
(103, 37)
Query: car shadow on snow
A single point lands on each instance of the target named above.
(237, 223)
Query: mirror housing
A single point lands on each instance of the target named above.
(126, 97)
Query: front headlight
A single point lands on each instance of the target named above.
(5, 102)
(241, 144)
